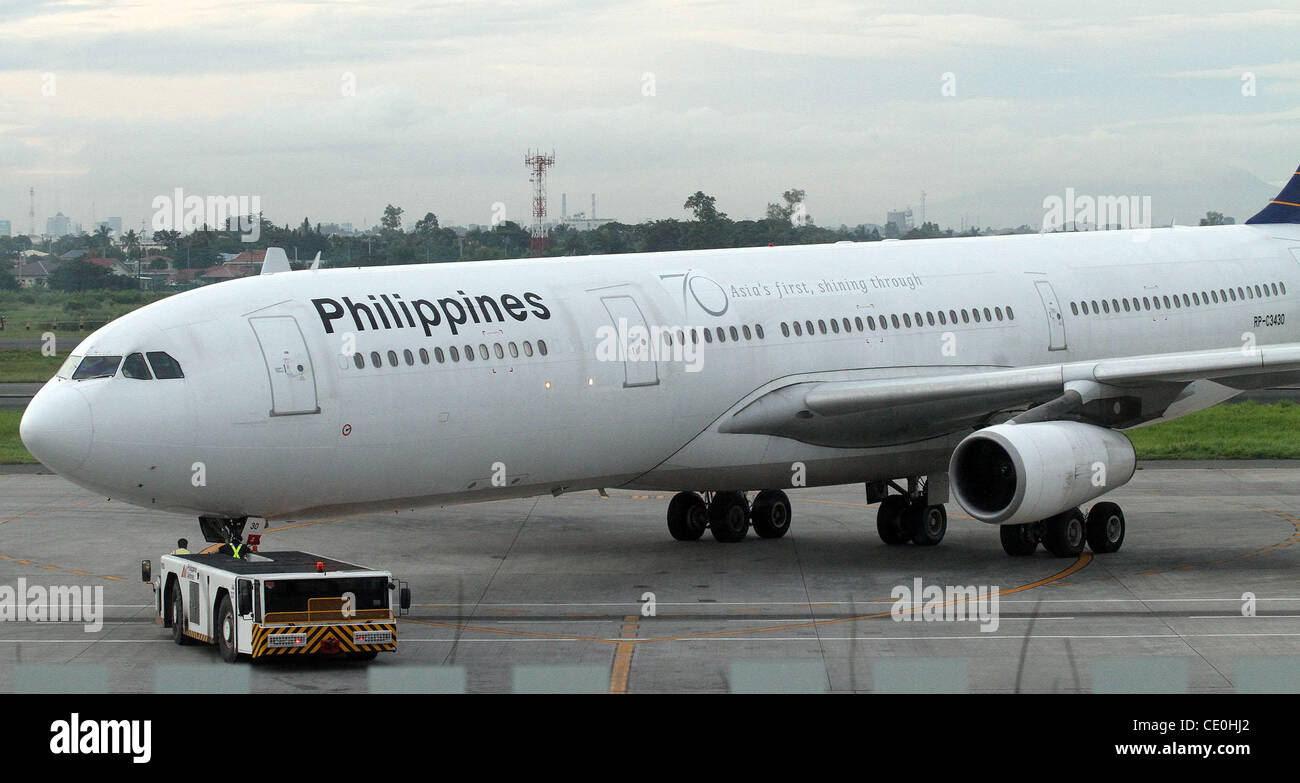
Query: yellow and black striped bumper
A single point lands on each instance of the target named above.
(324, 639)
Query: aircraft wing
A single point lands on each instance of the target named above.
(1118, 392)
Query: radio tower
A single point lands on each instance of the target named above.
(31, 212)
(537, 164)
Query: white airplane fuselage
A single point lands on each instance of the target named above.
(282, 412)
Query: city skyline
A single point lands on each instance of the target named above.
(332, 111)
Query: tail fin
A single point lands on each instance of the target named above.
(1285, 208)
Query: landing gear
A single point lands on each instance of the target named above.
(925, 524)
(1021, 540)
(1065, 534)
(770, 514)
(688, 516)
(223, 530)
(908, 515)
(889, 520)
(1105, 528)
(729, 515)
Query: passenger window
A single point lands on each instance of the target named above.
(392, 358)
(164, 366)
(1275, 289)
(1105, 306)
(1010, 315)
(1114, 305)
(1232, 294)
(987, 315)
(1241, 294)
(758, 330)
(847, 328)
(798, 330)
(893, 319)
(835, 326)
(943, 319)
(745, 330)
(857, 321)
(952, 316)
(424, 356)
(907, 320)
(735, 335)
(1126, 307)
(721, 334)
(1083, 307)
(455, 353)
(807, 325)
(469, 353)
(871, 323)
(1196, 298)
(409, 357)
(528, 348)
(439, 356)
(785, 329)
(514, 351)
(358, 361)
(1186, 302)
(884, 323)
(1215, 295)
(483, 352)
(821, 326)
(929, 317)
(708, 336)
(965, 316)
(541, 347)
(96, 367)
(1155, 300)
(975, 313)
(135, 367)
(998, 312)
(1283, 287)
(376, 360)
(498, 350)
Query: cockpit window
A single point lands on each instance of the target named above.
(134, 367)
(164, 366)
(96, 367)
(69, 366)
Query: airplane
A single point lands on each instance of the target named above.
(997, 371)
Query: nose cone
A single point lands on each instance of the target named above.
(56, 428)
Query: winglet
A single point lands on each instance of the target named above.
(315, 264)
(275, 261)
(1285, 208)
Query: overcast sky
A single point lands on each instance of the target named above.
(330, 110)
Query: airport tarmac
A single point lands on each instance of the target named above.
(549, 594)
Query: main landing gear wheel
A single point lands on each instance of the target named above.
(1021, 540)
(1105, 528)
(889, 520)
(688, 516)
(1065, 533)
(729, 517)
(770, 514)
(925, 525)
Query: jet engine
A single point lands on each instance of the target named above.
(1010, 474)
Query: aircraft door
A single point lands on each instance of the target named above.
(639, 365)
(1055, 320)
(293, 382)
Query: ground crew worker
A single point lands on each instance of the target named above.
(181, 545)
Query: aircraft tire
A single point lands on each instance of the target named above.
(1020, 540)
(1105, 528)
(729, 517)
(770, 514)
(925, 525)
(1066, 533)
(889, 520)
(688, 516)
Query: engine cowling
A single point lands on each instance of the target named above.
(1009, 474)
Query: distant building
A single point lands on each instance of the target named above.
(902, 220)
(6, 229)
(114, 224)
(59, 225)
(35, 272)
